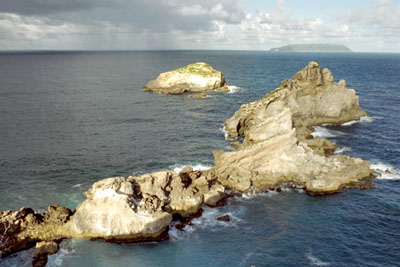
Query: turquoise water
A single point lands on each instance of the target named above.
(70, 119)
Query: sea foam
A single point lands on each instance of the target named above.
(223, 130)
(362, 119)
(341, 149)
(325, 132)
(233, 88)
(208, 219)
(386, 171)
(314, 261)
(197, 167)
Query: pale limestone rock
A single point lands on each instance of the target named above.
(196, 77)
(277, 149)
(113, 210)
(277, 146)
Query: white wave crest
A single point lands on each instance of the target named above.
(223, 130)
(325, 132)
(233, 88)
(208, 219)
(386, 171)
(362, 119)
(342, 149)
(315, 261)
(176, 234)
(197, 167)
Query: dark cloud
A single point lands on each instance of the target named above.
(39, 7)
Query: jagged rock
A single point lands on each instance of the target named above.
(196, 77)
(21, 229)
(141, 208)
(42, 250)
(115, 211)
(277, 146)
(224, 218)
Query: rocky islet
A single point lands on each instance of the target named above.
(194, 78)
(277, 149)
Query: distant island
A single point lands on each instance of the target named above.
(312, 48)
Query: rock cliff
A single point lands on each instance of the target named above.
(196, 77)
(277, 146)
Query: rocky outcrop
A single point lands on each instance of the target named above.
(277, 146)
(119, 209)
(277, 149)
(194, 78)
(21, 229)
(42, 250)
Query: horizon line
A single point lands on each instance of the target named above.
(176, 50)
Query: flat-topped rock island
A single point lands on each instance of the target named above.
(194, 78)
(277, 149)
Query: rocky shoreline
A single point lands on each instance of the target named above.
(277, 150)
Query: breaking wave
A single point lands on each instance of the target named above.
(197, 167)
(386, 171)
(362, 119)
(342, 149)
(233, 89)
(314, 261)
(325, 132)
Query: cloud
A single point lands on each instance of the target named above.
(383, 19)
(43, 20)
(190, 24)
(278, 26)
(38, 7)
(16, 28)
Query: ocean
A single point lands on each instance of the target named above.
(68, 119)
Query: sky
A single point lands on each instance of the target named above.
(362, 25)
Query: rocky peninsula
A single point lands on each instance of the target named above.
(277, 150)
(193, 78)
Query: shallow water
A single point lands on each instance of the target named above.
(70, 119)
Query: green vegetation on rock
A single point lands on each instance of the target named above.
(198, 68)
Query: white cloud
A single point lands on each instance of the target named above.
(382, 20)
(33, 28)
(278, 27)
(191, 11)
(193, 24)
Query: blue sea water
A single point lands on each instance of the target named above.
(68, 119)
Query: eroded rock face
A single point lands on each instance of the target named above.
(21, 229)
(277, 146)
(196, 77)
(119, 209)
(42, 250)
(141, 208)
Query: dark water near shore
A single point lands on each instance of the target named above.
(70, 119)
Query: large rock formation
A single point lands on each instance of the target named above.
(119, 209)
(196, 77)
(277, 146)
(21, 229)
(277, 149)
